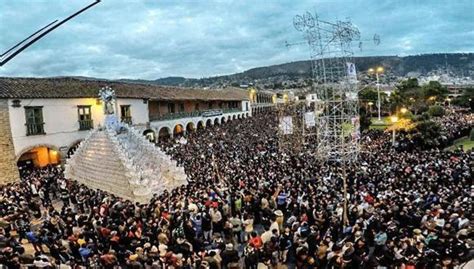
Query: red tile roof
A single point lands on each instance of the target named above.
(81, 88)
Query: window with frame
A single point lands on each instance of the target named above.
(181, 107)
(85, 117)
(126, 114)
(34, 120)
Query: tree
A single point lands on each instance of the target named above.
(364, 119)
(436, 111)
(434, 89)
(416, 98)
(368, 95)
(427, 133)
(466, 99)
(407, 94)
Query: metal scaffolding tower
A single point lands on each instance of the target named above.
(335, 84)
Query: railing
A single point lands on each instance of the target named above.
(86, 124)
(205, 113)
(231, 110)
(127, 120)
(34, 128)
(173, 116)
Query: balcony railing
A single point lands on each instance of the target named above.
(231, 110)
(86, 124)
(180, 115)
(127, 120)
(173, 116)
(34, 128)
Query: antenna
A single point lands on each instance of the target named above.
(11, 53)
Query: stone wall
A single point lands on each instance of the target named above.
(8, 168)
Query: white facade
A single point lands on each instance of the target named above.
(311, 98)
(170, 125)
(61, 121)
(61, 125)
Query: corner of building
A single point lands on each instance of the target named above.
(8, 168)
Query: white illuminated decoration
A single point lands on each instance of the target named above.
(107, 95)
(120, 160)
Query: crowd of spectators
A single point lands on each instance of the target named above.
(247, 205)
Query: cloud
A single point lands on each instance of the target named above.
(151, 39)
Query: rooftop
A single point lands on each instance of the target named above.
(80, 88)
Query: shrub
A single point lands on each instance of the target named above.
(436, 111)
(423, 117)
(471, 135)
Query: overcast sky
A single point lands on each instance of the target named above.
(152, 39)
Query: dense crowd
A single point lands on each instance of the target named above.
(249, 205)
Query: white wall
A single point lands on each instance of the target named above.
(137, 107)
(246, 104)
(171, 124)
(61, 120)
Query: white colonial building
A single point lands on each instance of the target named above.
(42, 120)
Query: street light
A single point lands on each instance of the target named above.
(393, 119)
(377, 71)
(370, 107)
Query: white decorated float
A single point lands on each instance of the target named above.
(118, 159)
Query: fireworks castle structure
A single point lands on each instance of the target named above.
(118, 159)
(335, 85)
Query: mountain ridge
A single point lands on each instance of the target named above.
(297, 74)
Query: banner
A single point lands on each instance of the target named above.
(351, 72)
(286, 125)
(356, 130)
(309, 119)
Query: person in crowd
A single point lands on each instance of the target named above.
(246, 205)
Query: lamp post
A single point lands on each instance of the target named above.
(394, 120)
(370, 108)
(377, 71)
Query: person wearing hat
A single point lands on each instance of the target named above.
(108, 260)
(213, 260)
(133, 261)
(279, 220)
(230, 257)
(417, 235)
